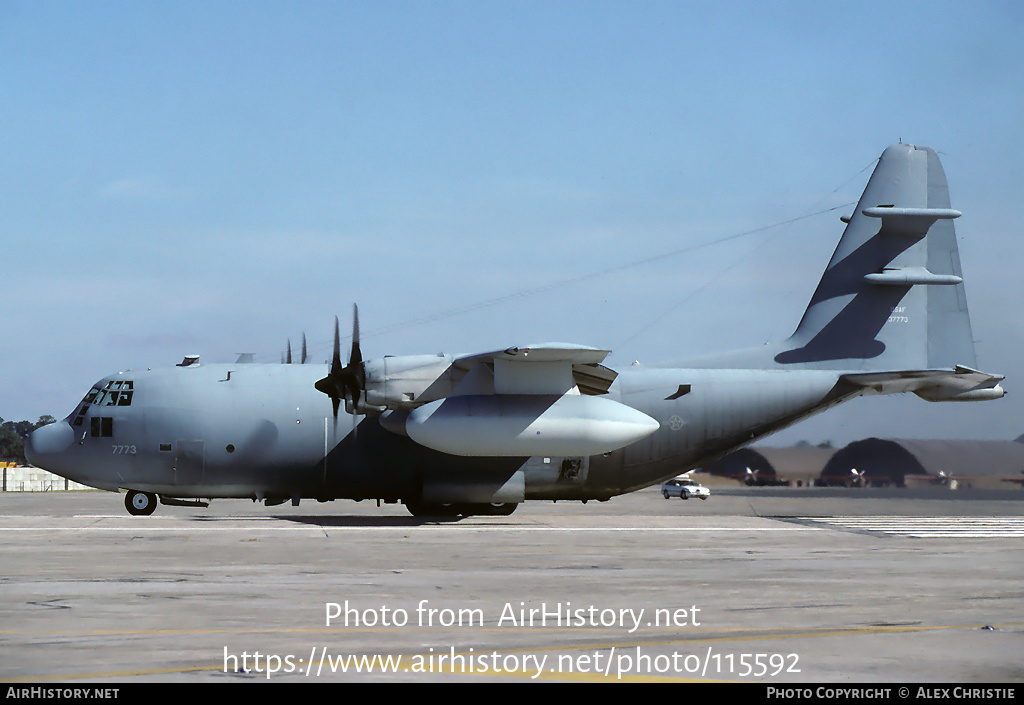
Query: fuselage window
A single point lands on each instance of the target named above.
(102, 427)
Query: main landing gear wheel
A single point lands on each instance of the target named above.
(419, 509)
(140, 503)
(501, 510)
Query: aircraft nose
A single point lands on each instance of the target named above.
(47, 442)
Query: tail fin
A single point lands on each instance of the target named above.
(892, 297)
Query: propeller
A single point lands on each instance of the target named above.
(287, 360)
(857, 477)
(349, 381)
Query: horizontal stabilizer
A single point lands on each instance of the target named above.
(909, 221)
(902, 276)
(959, 384)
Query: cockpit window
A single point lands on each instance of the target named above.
(114, 393)
(117, 393)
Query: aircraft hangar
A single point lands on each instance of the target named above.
(878, 462)
(760, 466)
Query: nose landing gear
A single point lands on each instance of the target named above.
(140, 503)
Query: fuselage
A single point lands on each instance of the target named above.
(264, 432)
(889, 315)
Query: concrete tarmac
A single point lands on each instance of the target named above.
(753, 585)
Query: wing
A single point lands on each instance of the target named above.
(548, 368)
(406, 382)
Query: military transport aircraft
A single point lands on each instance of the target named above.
(479, 434)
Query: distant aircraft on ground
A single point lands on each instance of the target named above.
(479, 434)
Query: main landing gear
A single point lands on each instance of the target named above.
(421, 509)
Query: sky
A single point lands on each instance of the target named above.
(662, 179)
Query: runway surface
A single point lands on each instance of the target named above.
(764, 585)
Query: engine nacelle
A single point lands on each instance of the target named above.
(400, 382)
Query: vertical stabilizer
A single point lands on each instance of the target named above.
(892, 297)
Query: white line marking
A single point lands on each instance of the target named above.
(934, 527)
(320, 527)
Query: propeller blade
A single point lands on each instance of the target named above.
(355, 357)
(345, 382)
(336, 360)
(303, 348)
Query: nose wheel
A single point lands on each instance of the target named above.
(140, 503)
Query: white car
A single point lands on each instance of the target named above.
(684, 488)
